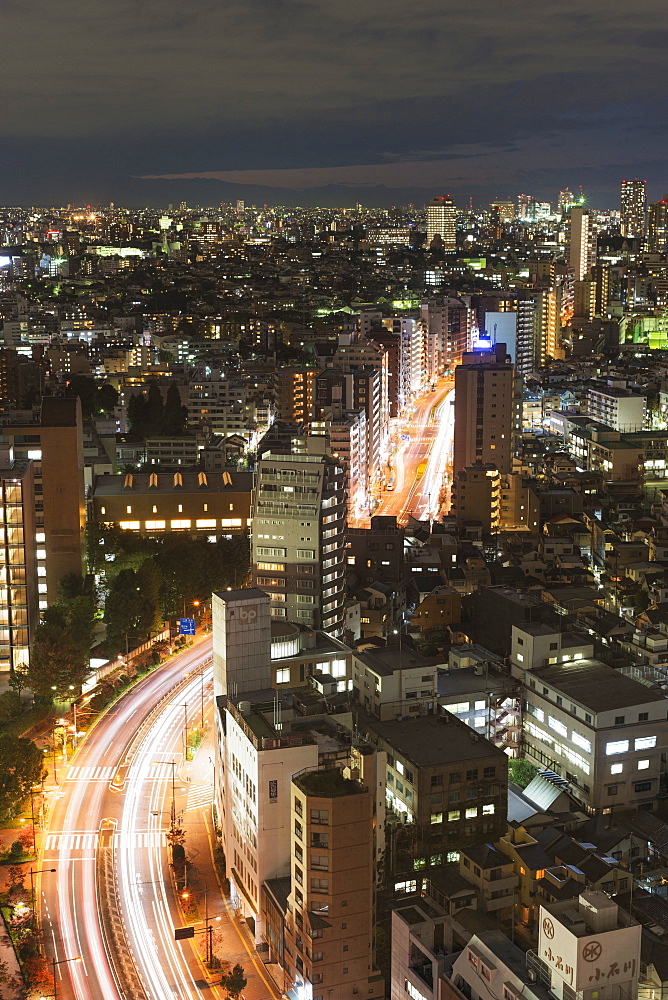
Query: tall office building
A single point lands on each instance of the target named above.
(18, 563)
(657, 226)
(298, 535)
(442, 221)
(633, 209)
(485, 410)
(580, 242)
(447, 322)
(566, 199)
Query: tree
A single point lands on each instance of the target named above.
(106, 398)
(155, 410)
(138, 416)
(127, 610)
(522, 772)
(10, 705)
(235, 981)
(174, 419)
(18, 678)
(21, 766)
(150, 582)
(83, 386)
(60, 652)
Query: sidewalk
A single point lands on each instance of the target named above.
(231, 937)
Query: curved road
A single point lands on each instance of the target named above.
(86, 798)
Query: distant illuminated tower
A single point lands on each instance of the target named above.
(241, 206)
(657, 226)
(442, 221)
(506, 210)
(579, 241)
(633, 209)
(525, 206)
(566, 199)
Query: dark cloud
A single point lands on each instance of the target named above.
(496, 95)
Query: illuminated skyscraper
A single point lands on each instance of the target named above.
(633, 209)
(566, 199)
(579, 241)
(442, 221)
(657, 226)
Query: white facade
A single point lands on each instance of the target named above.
(602, 731)
(255, 809)
(620, 410)
(591, 948)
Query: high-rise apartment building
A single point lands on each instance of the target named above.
(298, 534)
(18, 562)
(54, 444)
(294, 389)
(632, 213)
(566, 199)
(505, 209)
(447, 323)
(442, 222)
(330, 919)
(485, 410)
(580, 242)
(657, 226)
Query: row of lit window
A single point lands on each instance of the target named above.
(225, 522)
(456, 814)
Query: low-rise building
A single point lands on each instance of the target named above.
(601, 730)
(155, 503)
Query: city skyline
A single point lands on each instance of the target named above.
(304, 104)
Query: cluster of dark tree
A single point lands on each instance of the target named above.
(94, 399)
(150, 416)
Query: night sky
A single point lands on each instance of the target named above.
(330, 101)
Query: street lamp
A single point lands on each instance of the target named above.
(184, 706)
(199, 673)
(63, 961)
(41, 871)
(172, 764)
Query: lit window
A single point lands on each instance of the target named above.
(557, 725)
(488, 809)
(472, 812)
(616, 768)
(644, 743)
(283, 675)
(180, 524)
(205, 523)
(155, 525)
(643, 765)
(520, 658)
(436, 818)
(581, 742)
(617, 746)
(233, 522)
(129, 525)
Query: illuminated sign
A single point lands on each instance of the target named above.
(186, 626)
(607, 956)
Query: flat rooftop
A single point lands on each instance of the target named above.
(327, 784)
(386, 660)
(596, 685)
(429, 741)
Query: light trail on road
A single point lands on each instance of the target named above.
(431, 428)
(71, 917)
(166, 969)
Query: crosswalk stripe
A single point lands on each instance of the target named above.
(199, 797)
(88, 841)
(90, 773)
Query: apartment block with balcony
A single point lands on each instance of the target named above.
(330, 921)
(18, 562)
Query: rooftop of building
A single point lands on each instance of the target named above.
(486, 856)
(186, 481)
(386, 660)
(430, 740)
(596, 685)
(241, 594)
(328, 783)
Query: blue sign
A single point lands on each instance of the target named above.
(186, 626)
